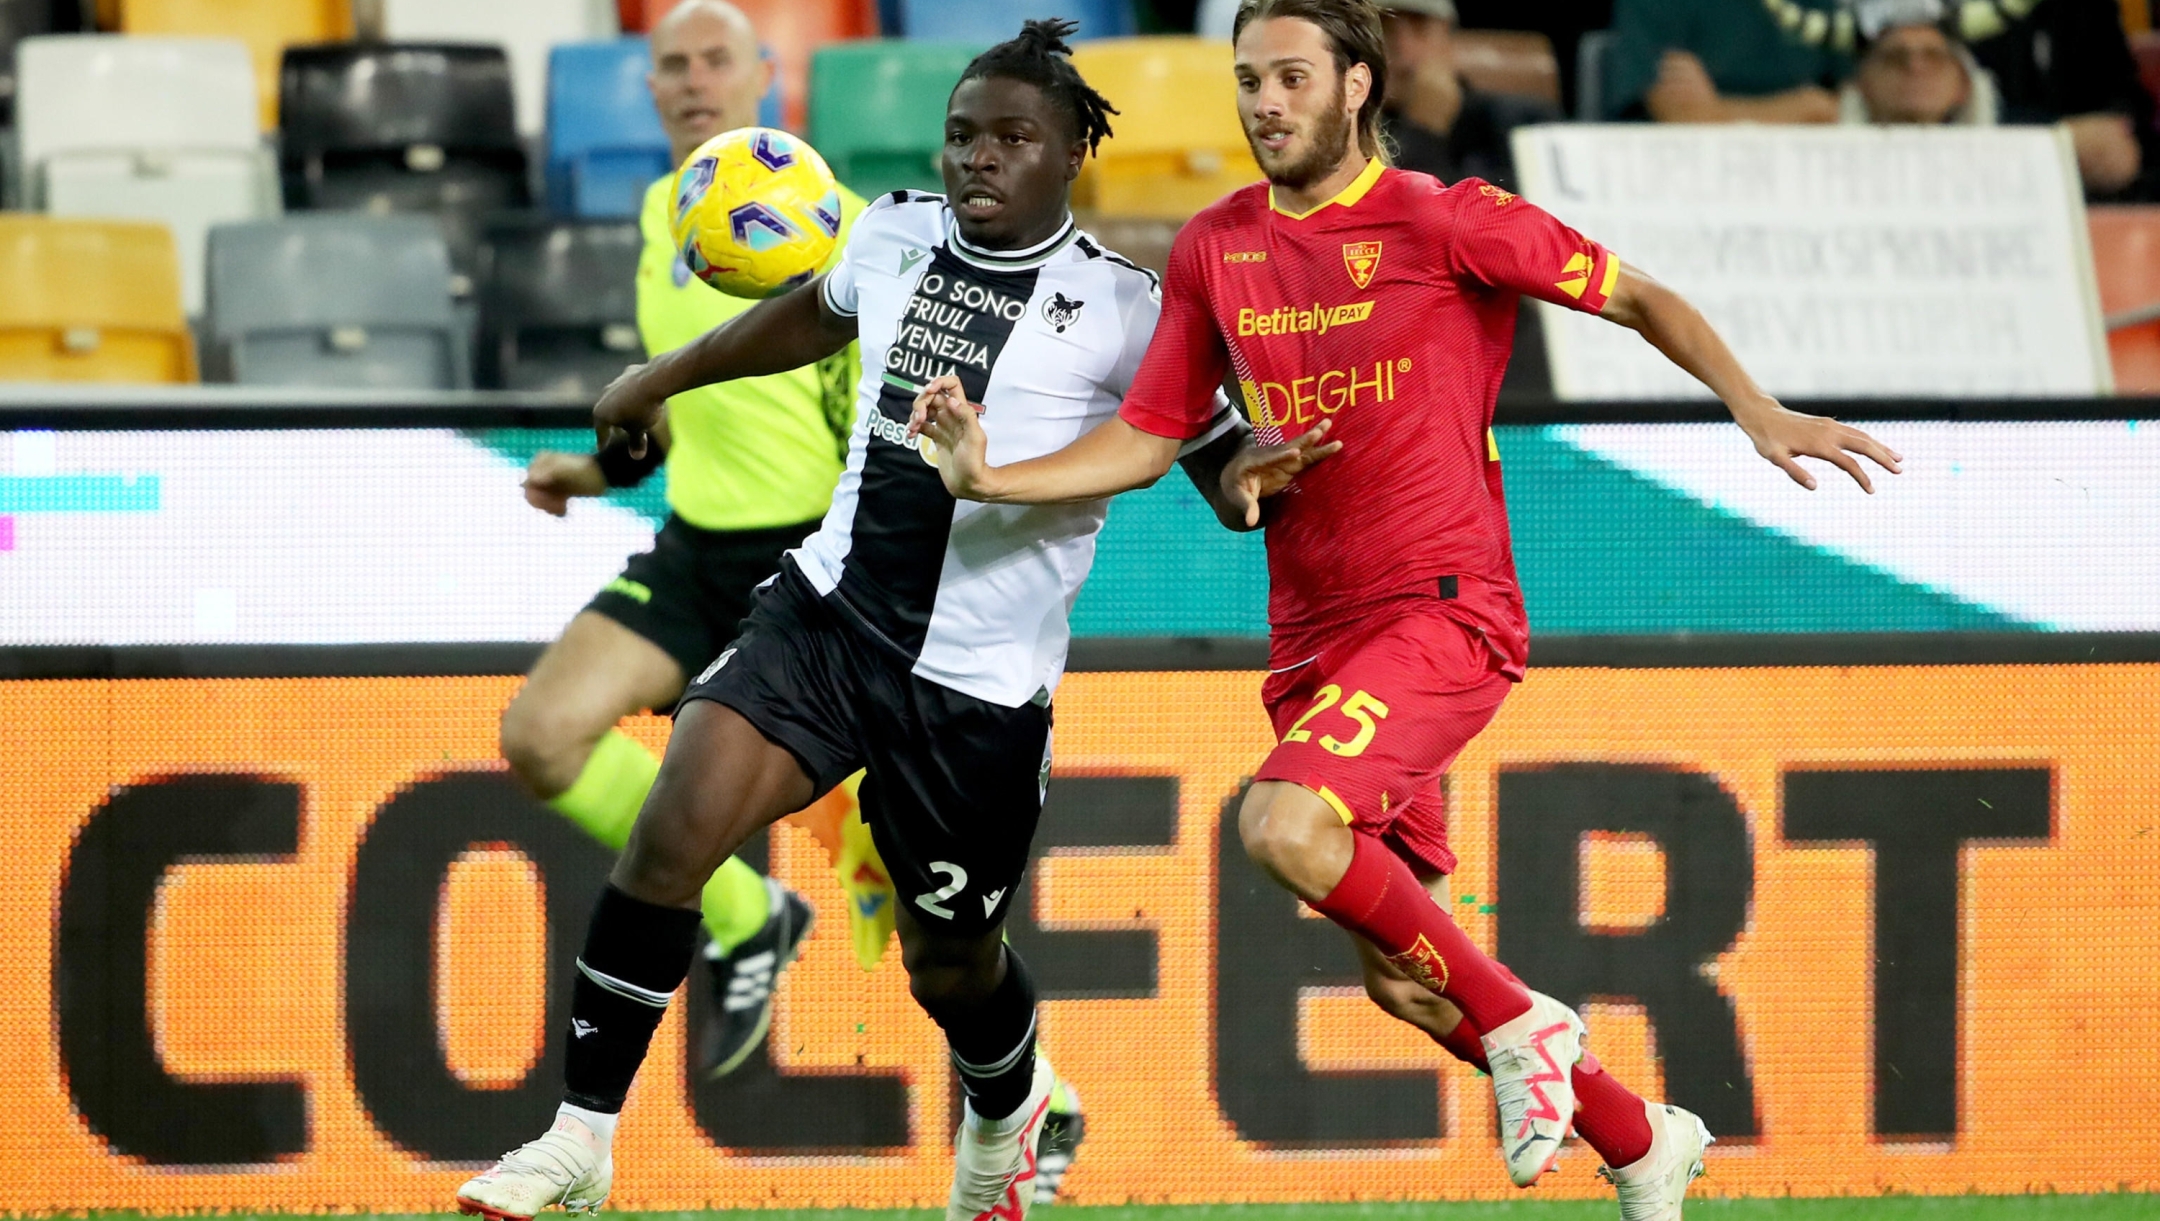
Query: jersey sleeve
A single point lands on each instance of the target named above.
(1503, 240)
(858, 224)
(1180, 379)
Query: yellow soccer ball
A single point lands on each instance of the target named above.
(756, 212)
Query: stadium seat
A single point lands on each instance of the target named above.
(1592, 52)
(403, 127)
(146, 128)
(266, 26)
(989, 21)
(2145, 49)
(2126, 258)
(558, 304)
(19, 19)
(1178, 145)
(90, 301)
(791, 32)
(605, 144)
(526, 29)
(1509, 61)
(877, 110)
(334, 299)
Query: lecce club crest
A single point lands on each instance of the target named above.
(1363, 260)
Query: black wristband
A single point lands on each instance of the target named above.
(623, 471)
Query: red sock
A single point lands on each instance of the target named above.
(1610, 1117)
(1381, 900)
(1466, 1044)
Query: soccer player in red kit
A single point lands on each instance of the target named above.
(1367, 315)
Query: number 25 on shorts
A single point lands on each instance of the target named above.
(1360, 707)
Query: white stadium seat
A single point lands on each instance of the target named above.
(161, 129)
(525, 29)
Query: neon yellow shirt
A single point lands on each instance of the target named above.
(751, 454)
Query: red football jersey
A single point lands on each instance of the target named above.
(1391, 309)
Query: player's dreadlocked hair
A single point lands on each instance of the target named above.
(1040, 57)
(1354, 34)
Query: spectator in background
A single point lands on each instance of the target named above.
(1723, 61)
(2068, 62)
(1912, 71)
(1439, 124)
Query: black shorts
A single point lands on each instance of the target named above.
(955, 783)
(690, 592)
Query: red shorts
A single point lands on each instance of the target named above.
(1371, 725)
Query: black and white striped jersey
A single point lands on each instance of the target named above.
(974, 597)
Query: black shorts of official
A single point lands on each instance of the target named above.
(955, 784)
(690, 592)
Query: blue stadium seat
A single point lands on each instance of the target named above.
(989, 21)
(335, 299)
(604, 145)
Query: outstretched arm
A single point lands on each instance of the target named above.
(1673, 327)
(773, 336)
(1111, 458)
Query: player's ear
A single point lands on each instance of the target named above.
(1357, 86)
(1075, 155)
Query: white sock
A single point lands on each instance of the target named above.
(601, 1123)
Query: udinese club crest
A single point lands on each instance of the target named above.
(1061, 311)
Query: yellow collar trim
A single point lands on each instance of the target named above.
(1348, 197)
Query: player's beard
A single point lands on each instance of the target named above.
(1332, 132)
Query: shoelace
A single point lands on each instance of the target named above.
(553, 1157)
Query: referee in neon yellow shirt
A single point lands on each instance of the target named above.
(737, 504)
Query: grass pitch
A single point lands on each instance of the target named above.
(2112, 1207)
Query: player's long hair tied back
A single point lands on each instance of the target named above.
(1041, 57)
(1353, 30)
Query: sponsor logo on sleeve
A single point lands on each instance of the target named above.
(1575, 277)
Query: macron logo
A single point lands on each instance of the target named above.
(580, 1027)
(991, 900)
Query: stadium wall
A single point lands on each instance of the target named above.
(297, 943)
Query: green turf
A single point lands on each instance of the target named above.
(1883, 1208)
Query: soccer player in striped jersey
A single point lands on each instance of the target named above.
(1368, 312)
(913, 635)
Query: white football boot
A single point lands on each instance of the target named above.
(1533, 1059)
(568, 1165)
(1652, 1187)
(994, 1171)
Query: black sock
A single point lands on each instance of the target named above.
(636, 955)
(993, 1043)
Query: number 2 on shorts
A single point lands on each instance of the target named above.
(1360, 707)
(955, 882)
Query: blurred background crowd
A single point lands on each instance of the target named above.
(445, 194)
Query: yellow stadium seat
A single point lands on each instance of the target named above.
(90, 301)
(1179, 146)
(266, 26)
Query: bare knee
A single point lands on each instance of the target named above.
(1295, 836)
(546, 745)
